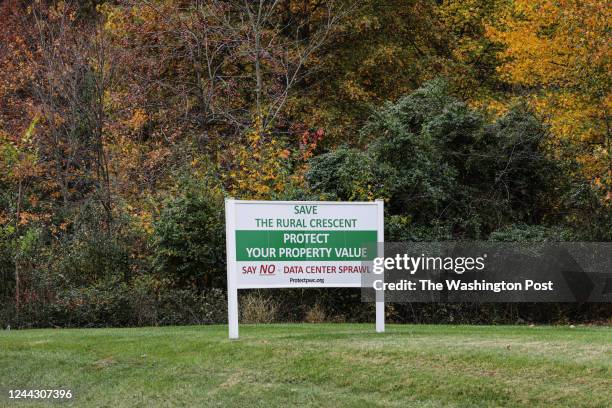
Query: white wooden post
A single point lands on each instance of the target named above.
(230, 247)
(380, 295)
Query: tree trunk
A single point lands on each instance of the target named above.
(17, 272)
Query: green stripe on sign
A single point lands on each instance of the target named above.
(305, 245)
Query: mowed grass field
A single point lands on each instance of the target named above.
(333, 365)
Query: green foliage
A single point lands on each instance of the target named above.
(90, 252)
(7, 265)
(585, 208)
(400, 228)
(345, 172)
(189, 236)
(532, 233)
(443, 168)
(143, 301)
(101, 103)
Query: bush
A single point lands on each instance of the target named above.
(316, 314)
(346, 173)
(258, 308)
(143, 302)
(532, 233)
(92, 274)
(189, 236)
(91, 251)
(441, 167)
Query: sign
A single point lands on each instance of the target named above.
(300, 244)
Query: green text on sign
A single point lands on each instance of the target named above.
(305, 245)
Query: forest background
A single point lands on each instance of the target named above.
(124, 124)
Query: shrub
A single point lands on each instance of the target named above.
(90, 251)
(441, 167)
(143, 302)
(346, 173)
(532, 233)
(258, 308)
(316, 314)
(189, 236)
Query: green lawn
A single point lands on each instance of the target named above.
(314, 365)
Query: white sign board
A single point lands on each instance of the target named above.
(300, 244)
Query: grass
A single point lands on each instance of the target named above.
(336, 365)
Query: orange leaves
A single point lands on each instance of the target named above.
(26, 217)
(15, 70)
(561, 51)
(310, 141)
(26, 167)
(138, 119)
(549, 44)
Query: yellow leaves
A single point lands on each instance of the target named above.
(561, 51)
(138, 120)
(546, 43)
(258, 167)
(571, 118)
(113, 18)
(145, 219)
(460, 14)
(19, 159)
(355, 91)
(254, 134)
(366, 22)
(27, 136)
(385, 54)
(492, 106)
(254, 139)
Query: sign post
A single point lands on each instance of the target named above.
(380, 294)
(301, 244)
(232, 289)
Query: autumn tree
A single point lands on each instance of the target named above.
(52, 118)
(473, 55)
(387, 49)
(219, 64)
(557, 53)
(16, 73)
(215, 78)
(19, 168)
(73, 74)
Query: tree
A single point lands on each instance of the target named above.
(19, 159)
(383, 50)
(438, 162)
(16, 110)
(19, 168)
(72, 76)
(473, 54)
(558, 54)
(226, 63)
(189, 235)
(52, 121)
